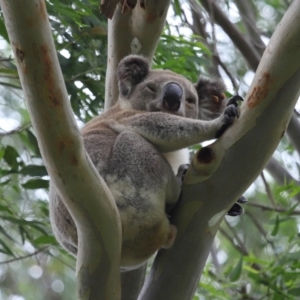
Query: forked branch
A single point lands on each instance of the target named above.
(70, 169)
(213, 184)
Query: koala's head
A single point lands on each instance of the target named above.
(144, 89)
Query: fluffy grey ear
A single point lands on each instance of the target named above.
(211, 98)
(131, 70)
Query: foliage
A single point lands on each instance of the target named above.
(254, 257)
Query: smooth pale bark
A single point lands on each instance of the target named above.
(135, 31)
(79, 184)
(224, 170)
(132, 283)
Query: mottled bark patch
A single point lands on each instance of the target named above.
(20, 55)
(260, 91)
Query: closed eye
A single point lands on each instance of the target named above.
(151, 88)
(190, 100)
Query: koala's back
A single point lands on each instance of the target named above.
(137, 176)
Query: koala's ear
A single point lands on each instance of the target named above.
(211, 98)
(131, 70)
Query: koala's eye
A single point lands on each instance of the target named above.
(151, 88)
(191, 100)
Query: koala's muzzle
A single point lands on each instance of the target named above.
(172, 96)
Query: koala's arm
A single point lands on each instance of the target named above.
(170, 132)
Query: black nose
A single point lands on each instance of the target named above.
(172, 96)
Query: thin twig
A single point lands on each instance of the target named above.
(16, 130)
(237, 238)
(230, 239)
(270, 208)
(268, 190)
(259, 227)
(25, 256)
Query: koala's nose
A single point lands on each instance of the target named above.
(172, 96)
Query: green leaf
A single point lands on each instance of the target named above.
(5, 208)
(45, 240)
(251, 259)
(3, 31)
(5, 249)
(10, 156)
(295, 291)
(276, 227)
(237, 271)
(32, 141)
(10, 85)
(34, 170)
(34, 184)
(9, 71)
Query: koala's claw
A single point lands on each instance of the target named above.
(230, 113)
(234, 100)
(242, 200)
(237, 209)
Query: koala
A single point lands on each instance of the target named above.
(138, 146)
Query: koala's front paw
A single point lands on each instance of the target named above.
(230, 113)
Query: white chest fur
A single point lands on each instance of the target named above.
(177, 158)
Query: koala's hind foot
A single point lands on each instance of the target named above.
(237, 209)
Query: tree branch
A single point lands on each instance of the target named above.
(259, 226)
(245, 149)
(24, 256)
(293, 132)
(247, 50)
(230, 239)
(70, 169)
(236, 237)
(132, 31)
(199, 28)
(279, 173)
(132, 282)
(271, 208)
(247, 12)
(268, 190)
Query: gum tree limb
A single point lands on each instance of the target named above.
(221, 173)
(70, 169)
(134, 29)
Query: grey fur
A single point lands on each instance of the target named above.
(136, 147)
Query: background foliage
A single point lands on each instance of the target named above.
(255, 256)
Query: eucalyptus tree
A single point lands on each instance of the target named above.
(219, 173)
